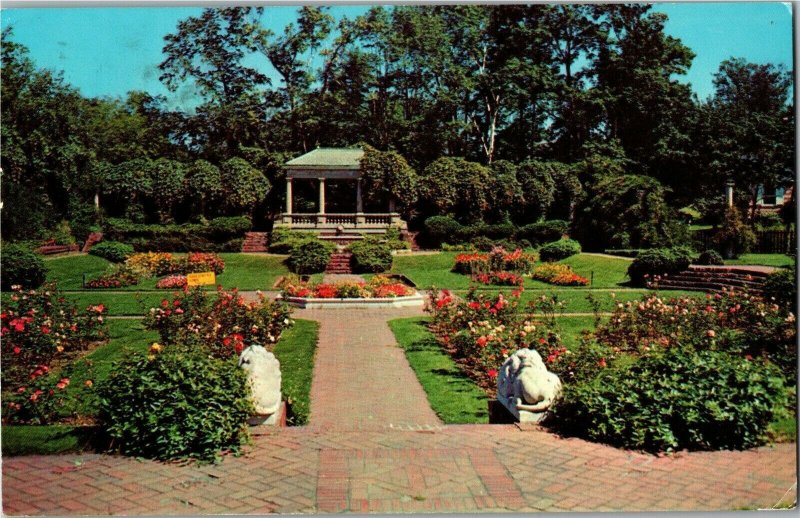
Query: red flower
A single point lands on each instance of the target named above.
(45, 330)
(238, 347)
(492, 373)
(164, 303)
(226, 341)
(17, 350)
(602, 363)
(482, 341)
(474, 305)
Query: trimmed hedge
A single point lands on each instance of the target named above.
(112, 251)
(711, 258)
(311, 256)
(543, 231)
(559, 250)
(218, 235)
(21, 266)
(658, 261)
(624, 252)
(371, 256)
(441, 229)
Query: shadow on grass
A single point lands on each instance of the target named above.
(53, 439)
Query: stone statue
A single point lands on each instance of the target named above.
(264, 378)
(525, 386)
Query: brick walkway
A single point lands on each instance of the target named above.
(374, 445)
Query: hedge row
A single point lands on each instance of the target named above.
(218, 235)
(443, 229)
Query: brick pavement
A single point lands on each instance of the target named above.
(374, 445)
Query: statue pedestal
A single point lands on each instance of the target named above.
(276, 419)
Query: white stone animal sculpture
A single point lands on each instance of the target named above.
(525, 382)
(264, 378)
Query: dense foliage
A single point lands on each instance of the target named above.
(310, 256)
(20, 267)
(112, 251)
(734, 237)
(781, 286)
(649, 264)
(175, 403)
(371, 256)
(710, 258)
(559, 250)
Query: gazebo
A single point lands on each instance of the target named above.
(334, 164)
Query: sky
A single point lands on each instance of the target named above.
(108, 51)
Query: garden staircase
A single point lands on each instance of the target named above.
(715, 278)
(255, 242)
(339, 263)
(93, 239)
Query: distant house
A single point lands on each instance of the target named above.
(771, 199)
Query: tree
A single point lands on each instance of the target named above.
(243, 186)
(750, 127)
(538, 190)
(387, 176)
(457, 188)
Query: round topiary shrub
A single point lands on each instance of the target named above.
(543, 231)
(112, 251)
(441, 229)
(21, 267)
(178, 403)
(710, 258)
(558, 250)
(658, 261)
(482, 243)
(675, 399)
(371, 256)
(310, 256)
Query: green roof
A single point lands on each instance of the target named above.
(329, 158)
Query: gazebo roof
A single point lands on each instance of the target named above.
(330, 158)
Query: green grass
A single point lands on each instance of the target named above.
(452, 395)
(296, 351)
(434, 270)
(119, 304)
(777, 260)
(243, 271)
(46, 440)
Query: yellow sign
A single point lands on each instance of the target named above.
(199, 279)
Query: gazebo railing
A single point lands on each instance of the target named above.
(349, 220)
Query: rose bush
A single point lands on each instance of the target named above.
(379, 287)
(223, 326)
(172, 282)
(559, 274)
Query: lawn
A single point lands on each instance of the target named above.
(452, 395)
(434, 270)
(778, 260)
(243, 271)
(295, 351)
(119, 304)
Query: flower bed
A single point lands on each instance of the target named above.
(499, 278)
(381, 291)
(559, 274)
(495, 261)
(40, 329)
(172, 282)
(223, 326)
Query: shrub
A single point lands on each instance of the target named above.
(282, 240)
(175, 404)
(624, 252)
(782, 287)
(711, 258)
(202, 262)
(112, 251)
(310, 256)
(223, 326)
(118, 276)
(212, 237)
(482, 243)
(675, 399)
(543, 231)
(172, 282)
(471, 263)
(439, 229)
(153, 263)
(459, 247)
(21, 267)
(559, 250)
(371, 256)
(658, 261)
(496, 231)
(734, 237)
(39, 326)
(226, 228)
(499, 278)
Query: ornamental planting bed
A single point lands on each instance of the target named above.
(380, 292)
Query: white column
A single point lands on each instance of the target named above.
(321, 211)
(729, 193)
(288, 195)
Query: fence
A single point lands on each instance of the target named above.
(767, 241)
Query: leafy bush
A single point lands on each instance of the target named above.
(734, 237)
(459, 247)
(559, 274)
(201, 262)
(214, 236)
(440, 229)
(559, 250)
(153, 263)
(226, 228)
(21, 267)
(782, 287)
(311, 256)
(482, 243)
(282, 240)
(371, 256)
(112, 251)
(543, 231)
(624, 252)
(710, 258)
(499, 278)
(118, 276)
(223, 326)
(658, 261)
(496, 231)
(175, 404)
(675, 399)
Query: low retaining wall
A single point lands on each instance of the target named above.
(416, 300)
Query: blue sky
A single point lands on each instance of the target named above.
(110, 51)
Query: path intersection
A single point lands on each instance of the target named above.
(373, 444)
